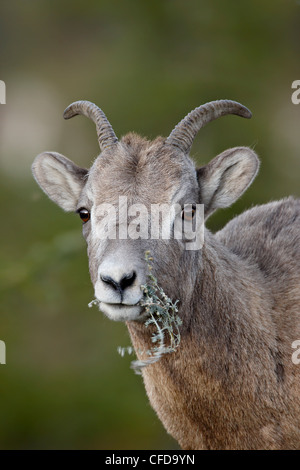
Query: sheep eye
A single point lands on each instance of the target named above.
(84, 215)
(188, 212)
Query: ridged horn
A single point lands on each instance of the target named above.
(185, 132)
(106, 136)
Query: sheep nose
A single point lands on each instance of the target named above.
(119, 285)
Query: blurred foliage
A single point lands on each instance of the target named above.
(147, 64)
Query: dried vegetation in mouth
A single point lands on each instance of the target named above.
(162, 313)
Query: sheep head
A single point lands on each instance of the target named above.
(116, 196)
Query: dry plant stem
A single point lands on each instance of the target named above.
(163, 315)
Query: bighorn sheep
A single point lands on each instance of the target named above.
(231, 383)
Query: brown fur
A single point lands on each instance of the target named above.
(232, 384)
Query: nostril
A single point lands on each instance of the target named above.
(127, 280)
(109, 280)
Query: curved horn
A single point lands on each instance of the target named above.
(184, 133)
(106, 136)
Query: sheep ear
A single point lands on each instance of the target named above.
(59, 178)
(225, 178)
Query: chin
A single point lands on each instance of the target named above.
(120, 312)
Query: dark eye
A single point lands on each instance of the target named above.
(84, 215)
(188, 212)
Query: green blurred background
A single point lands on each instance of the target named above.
(146, 64)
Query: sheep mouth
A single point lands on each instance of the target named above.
(121, 312)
